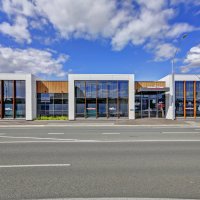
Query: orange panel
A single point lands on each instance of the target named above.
(52, 86)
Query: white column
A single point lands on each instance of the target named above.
(30, 97)
(131, 97)
(71, 99)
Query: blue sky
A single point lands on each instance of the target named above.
(53, 38)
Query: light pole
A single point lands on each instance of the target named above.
(173, 85)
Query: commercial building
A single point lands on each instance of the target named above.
(99, 96)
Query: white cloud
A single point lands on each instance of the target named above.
(147, 25)
(22, 7)
(192, 60)
(135, 22)
(78, 18)
(38, 62)
(164, 51)
(180, 28)
(18, 30)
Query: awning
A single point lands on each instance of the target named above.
(144, 89)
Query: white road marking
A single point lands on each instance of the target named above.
(180, 132)
(37, 165)
(111, 133)
(55, 133)
(116, 198)
(35, 138)
(98, 141)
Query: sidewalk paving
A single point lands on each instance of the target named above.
(101, 122)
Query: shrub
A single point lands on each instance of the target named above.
(52, 118)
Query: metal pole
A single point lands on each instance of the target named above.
(173, 79)
(173, 93)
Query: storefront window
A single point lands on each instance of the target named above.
(198, 98)
(189, 98)
(52, 104)
(101, 98)
(20, 99)
(179, 98)
(8, 99)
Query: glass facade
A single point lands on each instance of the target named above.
(187, 98)
(150, 105)
(101, 99)
(12, 99)
(20, 99)
(198, 98)
(52, 104)
(179, 98)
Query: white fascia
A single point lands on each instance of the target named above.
(30, 91)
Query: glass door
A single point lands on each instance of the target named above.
(145, 106)
(152, 105)
(91, 108)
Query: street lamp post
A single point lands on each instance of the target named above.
(173, 79)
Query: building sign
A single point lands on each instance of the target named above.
(45, 98)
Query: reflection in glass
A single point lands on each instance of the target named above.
(198, 98)
(101, 98)
(80, 107)
(112, 108)
(179, 98)
(123, 107)
(91, 107)
(91, 89)
(52, 104)
(8, 99)
(189, 98)
(123, 89)
(79, 89)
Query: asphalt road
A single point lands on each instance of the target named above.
(66, 162)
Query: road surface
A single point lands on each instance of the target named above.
(86, 162)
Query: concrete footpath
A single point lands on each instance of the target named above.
(101, 122)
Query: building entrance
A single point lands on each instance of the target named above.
(150, 105)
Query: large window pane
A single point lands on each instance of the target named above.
(8, 108)
(123, 89)
(189, 98)
(8, 99)
(80, 107)
(137, 106)
(112, 108)
(80, 89)
(20, 89)
(179, 102)
(123, 107)
(91, 89)
(112, 89)
(102, 89)
(102, 107)
(91, 107)
(198, 98)
(8, 89)
(20, 108)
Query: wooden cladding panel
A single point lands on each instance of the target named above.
(147, 84)
(52, 86)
